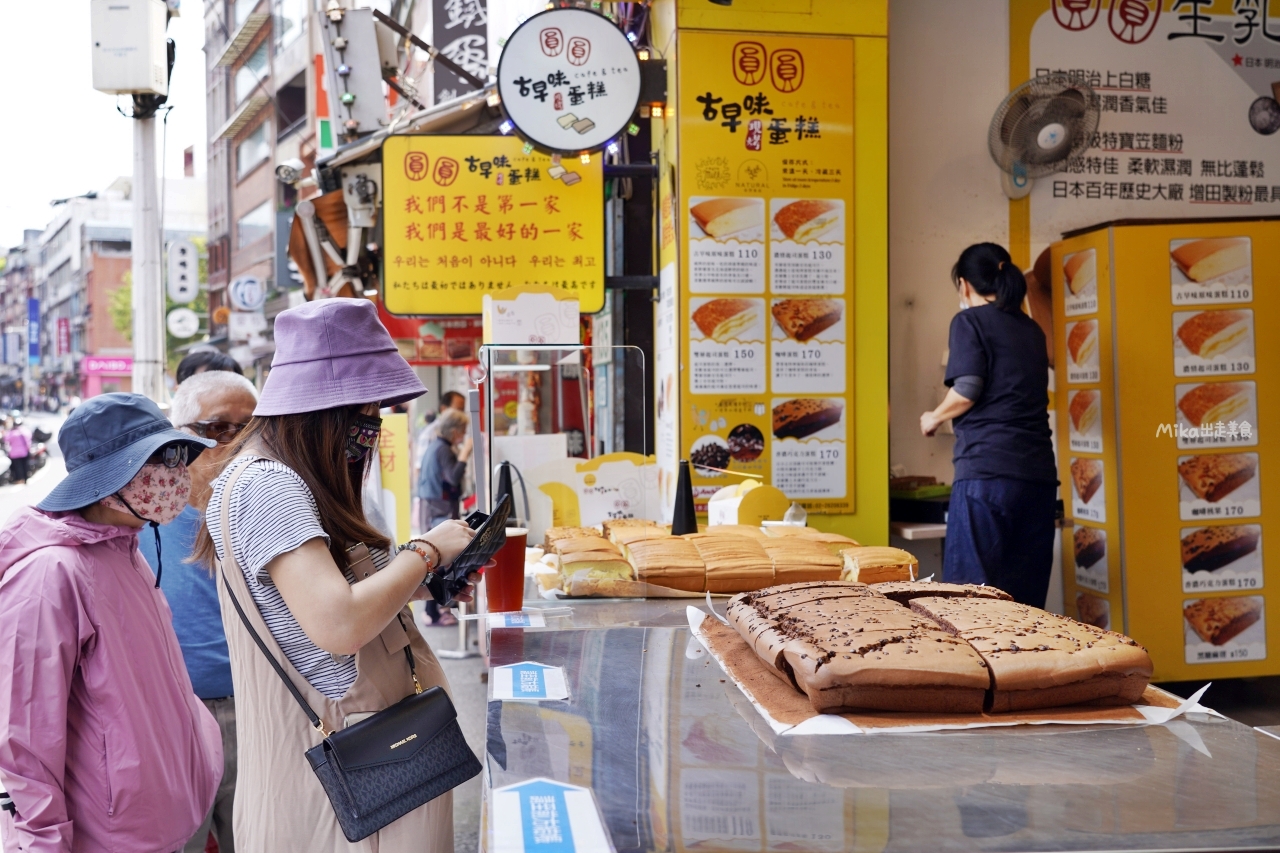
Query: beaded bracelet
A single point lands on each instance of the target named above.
(414, 545)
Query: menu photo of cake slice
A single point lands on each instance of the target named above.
(728, 319)
(809, 418)
(1219, 485)
(805, 220)
(1082, 351)
(1088, 497)
(1215, 342)
(1217, 414)
(803, 320)
(1225, 629)
(723, 218)
(1215, 269)
(1090, 546)
(1220, 557)
(1084, 412)
(1080, 280)
(1093, 610)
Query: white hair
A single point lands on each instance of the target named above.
(452, 424)
(187, 400)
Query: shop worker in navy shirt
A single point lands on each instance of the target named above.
(213, 404)
(1001, 520)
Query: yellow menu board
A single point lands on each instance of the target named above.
(1185, 368)
(465, 216)
(766, 204)
(1085, 384)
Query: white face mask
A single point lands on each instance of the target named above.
(963, 305)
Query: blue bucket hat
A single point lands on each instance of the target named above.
(105, 443)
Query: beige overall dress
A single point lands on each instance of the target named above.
(280, 806)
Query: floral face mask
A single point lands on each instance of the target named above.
(156, 493)
(362, 437)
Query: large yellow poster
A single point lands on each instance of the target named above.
(766, 194)
(466, 216)
(1162, 360)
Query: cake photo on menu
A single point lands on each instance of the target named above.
(721, 217)
(1086, 477)
(1213, 477)
(1214, 402)
(1080, 270)
(802, 319)
(1085, 408)
(746, 443)
(803, 417)
(807, 219)
(1211, 548)
(1091, 545)
(1094, 610)
(1082, 342)
(1211, 333)
(724, 319)
(1205, 260)
(1219, 620)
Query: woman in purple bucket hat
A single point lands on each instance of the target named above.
(285, 526)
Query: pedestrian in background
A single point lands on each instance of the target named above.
(204, 360)
(440, 482)
(217, 405)
(286, 525)
(18, 445)
(103, 744)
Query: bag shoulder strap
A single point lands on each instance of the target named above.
(229, 557)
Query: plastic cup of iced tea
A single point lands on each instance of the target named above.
(504, 583)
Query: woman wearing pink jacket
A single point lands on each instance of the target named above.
(103, 744)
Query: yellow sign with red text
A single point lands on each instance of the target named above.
(766, 203)
(470, 216)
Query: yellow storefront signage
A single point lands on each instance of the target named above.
(766, 210)
(1164, 364)
(393, 455)
(466, 216)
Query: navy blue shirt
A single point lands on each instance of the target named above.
(1006, 433)
(193, 597)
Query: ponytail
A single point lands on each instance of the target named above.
(991, 272)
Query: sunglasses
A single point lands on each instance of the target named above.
(222, 432)
(172, 455)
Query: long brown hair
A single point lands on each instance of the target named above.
(314, 445)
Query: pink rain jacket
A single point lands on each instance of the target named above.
(103, 744)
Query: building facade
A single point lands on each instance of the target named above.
(261, 99)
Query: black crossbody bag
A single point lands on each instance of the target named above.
(385, 766)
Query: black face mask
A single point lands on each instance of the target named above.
(362, 437)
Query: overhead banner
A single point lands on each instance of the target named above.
(1189, 108)
(460, 31)
(766, 160)
(467, 216)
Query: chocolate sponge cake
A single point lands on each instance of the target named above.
(904, 591)
(1091, 545)
(1040, 659)
(1219, 620)
(1212, 478)
(1212, 548)
(802, 319)
(804, 416)
(845, 647)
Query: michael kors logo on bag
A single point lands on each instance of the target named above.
(403, 742)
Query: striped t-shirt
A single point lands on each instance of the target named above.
(273, 512)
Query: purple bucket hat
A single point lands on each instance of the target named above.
(334, 352)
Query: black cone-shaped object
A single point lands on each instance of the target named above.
(685, 519)
(503, 486)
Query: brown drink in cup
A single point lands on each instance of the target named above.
(504, 583)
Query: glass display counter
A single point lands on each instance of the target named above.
(678, 760)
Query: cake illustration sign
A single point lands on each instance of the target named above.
(766, 196)
(569, 80)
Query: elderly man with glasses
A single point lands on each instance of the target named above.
(216, 405)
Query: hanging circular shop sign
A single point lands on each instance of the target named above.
(569, 80)
(183, 322)
(247, 293)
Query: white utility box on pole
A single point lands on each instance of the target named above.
(129, 53)
(132, 57)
